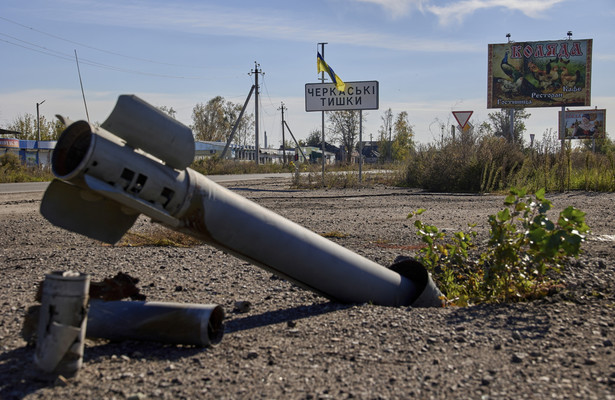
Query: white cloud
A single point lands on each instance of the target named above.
(398, 8)
(459, 10)
(270, 25)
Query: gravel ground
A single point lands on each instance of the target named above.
(297, 345)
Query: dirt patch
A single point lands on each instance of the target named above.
(295, 344)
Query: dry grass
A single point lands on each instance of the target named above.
(158, 237)
(334, 234)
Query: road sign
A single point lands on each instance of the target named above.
(462, 117)
(466, 128)
(357, 96)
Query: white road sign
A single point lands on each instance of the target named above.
(462, 117)
(357, 96)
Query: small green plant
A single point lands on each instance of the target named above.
(525, 254)
(525, 245)
(448, 260)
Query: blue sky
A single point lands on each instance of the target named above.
(429, 57)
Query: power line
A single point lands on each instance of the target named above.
(44, 50)
(96, 48)
(268, 96)
(84, 61)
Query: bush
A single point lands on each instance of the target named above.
(490, 164)
(12, 170)
(10, 162)
(218, 166)
(474, 165)
(526, 252)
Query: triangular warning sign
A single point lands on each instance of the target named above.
(462, 117)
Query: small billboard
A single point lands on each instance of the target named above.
(9, 142)
(582, 124)
(539, 74)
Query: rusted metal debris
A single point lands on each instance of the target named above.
(121, 286)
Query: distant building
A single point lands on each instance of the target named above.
(242, 153)
(313, 155)
(30, 152)
(371, 154)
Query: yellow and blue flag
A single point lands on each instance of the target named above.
(324, 67)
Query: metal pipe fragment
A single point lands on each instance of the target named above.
(62, 322)
(102, 168)
(175, 323)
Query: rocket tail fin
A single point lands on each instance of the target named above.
(85, 212)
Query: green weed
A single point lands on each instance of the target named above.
(524, 258)
(12, 170)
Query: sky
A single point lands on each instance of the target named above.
(428, 56)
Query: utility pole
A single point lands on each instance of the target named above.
(283, 140)
(360, 145)
(38, 134)
(256, 71)
(562, 132)
(230, 138)
(322, 79)
(511, 116)
(391, 141)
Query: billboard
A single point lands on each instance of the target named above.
(9, 142)
(539, 74)
(583, 124)
(362, 95)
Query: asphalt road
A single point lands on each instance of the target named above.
(26, 187)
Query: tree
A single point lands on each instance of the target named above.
(209, 121)
(600, 143)
(402, 143)
(288, 145)
(244, 134)
(384, 139)
(168, 110)
(345, 129)
(28, 127)
(314, 138)
(499, 124)
(214, 121)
